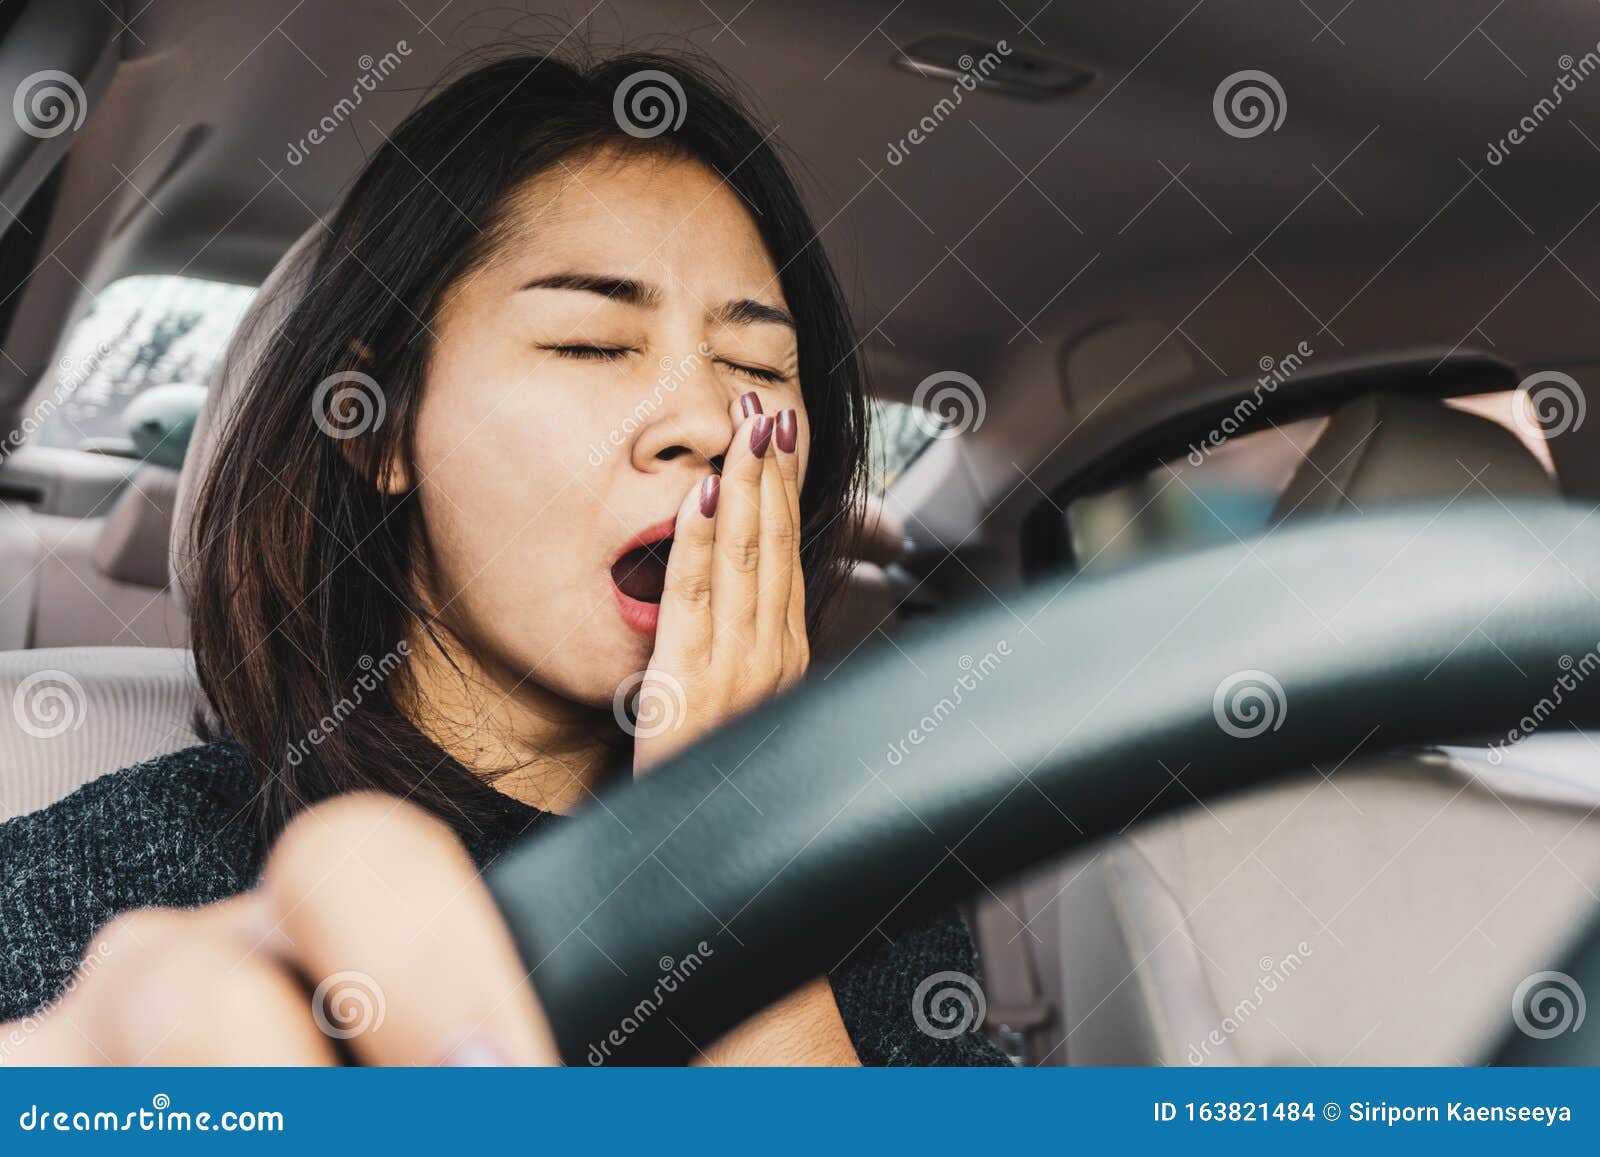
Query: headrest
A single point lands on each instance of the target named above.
(160, 421)
(132, 545)
(1394, 447)
(258, 329)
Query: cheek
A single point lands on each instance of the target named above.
(496, 480)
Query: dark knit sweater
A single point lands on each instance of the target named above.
(178, 832)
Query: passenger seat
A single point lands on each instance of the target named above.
(1382, 915)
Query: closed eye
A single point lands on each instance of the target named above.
(591, 353)
(760, 375)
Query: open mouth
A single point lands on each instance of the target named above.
(641, 573)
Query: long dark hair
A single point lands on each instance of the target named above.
(303, 576)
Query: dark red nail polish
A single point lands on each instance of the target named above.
(749, 403)
(760, 435)
(788, 431)
(710, 489)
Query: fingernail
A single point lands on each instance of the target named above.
(476, 1052)
(710, 489)
(749, 403)
(760, 435)
(788, 431)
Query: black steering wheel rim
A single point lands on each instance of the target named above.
(979, 747)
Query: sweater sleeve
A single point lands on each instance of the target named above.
(911, 995)
(171, 832)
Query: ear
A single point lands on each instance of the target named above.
(366, 406)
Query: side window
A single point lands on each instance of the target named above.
(142, 332)
(1196, 501)
(898, 434)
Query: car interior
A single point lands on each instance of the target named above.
(1067, 282)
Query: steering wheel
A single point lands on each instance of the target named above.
(1017, 730)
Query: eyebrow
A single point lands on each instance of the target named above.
(626, 291)
(619, 289)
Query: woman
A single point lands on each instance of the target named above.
(566, 402)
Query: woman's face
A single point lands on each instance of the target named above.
(581, 384)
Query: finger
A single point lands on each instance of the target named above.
(736, 553)
(786, 442)
(683, 632)
(385, 916)
(776, 573)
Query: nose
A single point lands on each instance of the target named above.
(692, 423)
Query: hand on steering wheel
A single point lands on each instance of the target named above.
(370, 937)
